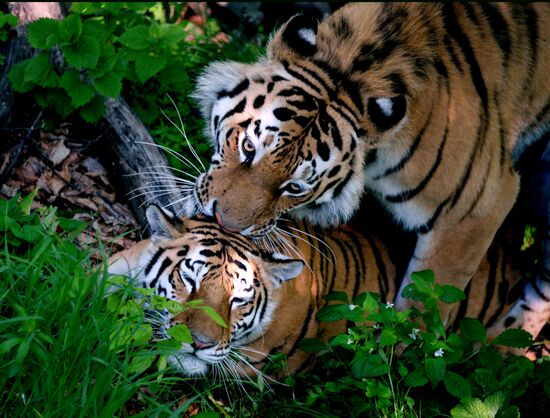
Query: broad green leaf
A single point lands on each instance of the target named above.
(450, 294)
(457, 386)
(43, 33)
(312, 345)
(11, 20)
(79, 92)
(473, 330)
(435, 370)
(517, 338)
(140, 363)
(170, 35)
(511, 412)
(147, 66)
(387, 337)
(109, 85)
(424, 281)
(213, 315)
(180, 333)
(486, 379)
(368, 365)
(416, 378)
(37, 68)
(17, 77)
(471, 408)
(70, 28)
(94, 110)
(341, 340)
(332, 313)
(135, 38)
(84, 54)
(370, 304)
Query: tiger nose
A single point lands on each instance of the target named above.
(199, 344)
(219, 219)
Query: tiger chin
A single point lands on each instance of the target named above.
(427, 106)
(270, 301)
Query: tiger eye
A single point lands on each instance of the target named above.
(248, 146)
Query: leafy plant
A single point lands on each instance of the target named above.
(7, 23)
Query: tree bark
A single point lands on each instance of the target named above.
(147, 177)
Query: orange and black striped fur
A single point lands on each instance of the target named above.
(426, 105)
(270, 301)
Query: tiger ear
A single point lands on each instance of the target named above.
(163, 226)
(281, 268)
(298, 36)
(386, 112)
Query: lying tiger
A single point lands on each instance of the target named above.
(270, 300)
(427, 105)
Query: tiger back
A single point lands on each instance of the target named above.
(270, 301)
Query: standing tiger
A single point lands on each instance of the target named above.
(270, 300)
(428, 106)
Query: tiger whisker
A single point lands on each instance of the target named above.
(292, 247)
(182, 131)
(290, 234)
(173, 153)
(174, 169)
(319, 240)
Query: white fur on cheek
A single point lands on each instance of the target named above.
(308, 35)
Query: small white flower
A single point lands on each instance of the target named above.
(350, 341)
(414, 333)
(376, 326)
(389, 305)
(439, 353)
(352, 307)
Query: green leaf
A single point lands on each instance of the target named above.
(387, 337)
(135, 38)
(336, 296)
(79, 92)
(147, 66)
(471, 408)
(416, 378)
(424, 281)
(170, 35)
(140, 363)
(26, 202)
(109, 85)
(36, 69)
(517, 338)
(43, 33)
(213, 315)
(370, 304)
(364, 365)
(17, 77)
(341, 340)
(332, 313)
(473, 330)
(486, 379)
(457, 386)
(11, 20)
(84, 54)
(312, 345)
(435, 370)
(207, 414)
(511, 412)
(180, 333)
(94, 110)
(450, 294)
(70, 28)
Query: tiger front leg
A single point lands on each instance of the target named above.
(453, 250)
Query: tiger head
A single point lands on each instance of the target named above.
(194, 259)
(292, 133)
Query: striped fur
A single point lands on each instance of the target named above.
(426, 105)
(197, 259)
